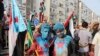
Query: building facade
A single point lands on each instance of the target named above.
(56, 10)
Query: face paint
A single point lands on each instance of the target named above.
(60, 33)
(45, 33)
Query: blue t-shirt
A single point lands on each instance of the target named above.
(61, 45)
(35, 21)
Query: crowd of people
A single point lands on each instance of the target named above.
(3, 27)
(53, 39)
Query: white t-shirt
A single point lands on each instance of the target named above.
(96, 42)
(85, 38)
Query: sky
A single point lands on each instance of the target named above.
(94, 5)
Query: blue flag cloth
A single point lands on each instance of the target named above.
(19, 24)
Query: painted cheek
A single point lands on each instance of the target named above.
(45, 34)
(39, 48)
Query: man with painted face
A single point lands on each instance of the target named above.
(62, 41)
(40, 45)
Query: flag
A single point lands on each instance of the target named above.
(29, 35)
(71, 27)
(68, 25)
(19, 24)
(68, 19)
(12, 35)
(16, 25)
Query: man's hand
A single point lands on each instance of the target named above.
(91, 53)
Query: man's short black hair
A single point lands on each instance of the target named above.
(84, 24)
(1, 10)
(32, 15)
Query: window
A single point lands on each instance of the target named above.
(60, 5)
(53, 10)
(71, 3)
(50, 9)
(67, 9)
(60, 13)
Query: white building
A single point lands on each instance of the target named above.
(72, 5)
(60, 9)
(85, 13)
(53, 10)
(57, 10)
(7, 4)
(21, 4)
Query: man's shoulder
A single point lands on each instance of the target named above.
(68, 37)
(98, 33)
(84, 30)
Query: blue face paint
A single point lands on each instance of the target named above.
(44, 33)
(58, 26)
(41, 42)
(45, 30)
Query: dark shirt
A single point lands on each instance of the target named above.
(94, 32)
(1, 10)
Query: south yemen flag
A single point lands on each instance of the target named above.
(16, 25)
